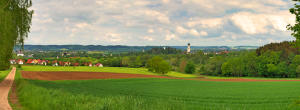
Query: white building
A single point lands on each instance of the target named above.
(188, 50)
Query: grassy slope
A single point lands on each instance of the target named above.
(3, 74)
(156, 94)
(259, 78)
(104, 69)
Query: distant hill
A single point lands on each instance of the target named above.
(121, 48)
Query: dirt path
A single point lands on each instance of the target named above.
(5, 86)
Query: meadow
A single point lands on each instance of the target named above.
(156, 94)
(3, 74)
(104, 69)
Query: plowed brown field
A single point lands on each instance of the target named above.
(52, 76)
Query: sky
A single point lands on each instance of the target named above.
(160, 22)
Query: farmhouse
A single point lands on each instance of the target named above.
(12, 62)
(99, 65)
(20, 54)
(20, 61)
(54, 63)
(29, 61)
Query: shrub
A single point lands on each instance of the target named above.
(158, 65)
(190, 68)
(19, 66)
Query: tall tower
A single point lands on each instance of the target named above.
(188, 50)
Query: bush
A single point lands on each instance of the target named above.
(190, 68)
(158, 65)
(19, 66)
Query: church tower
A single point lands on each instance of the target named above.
(188, 50)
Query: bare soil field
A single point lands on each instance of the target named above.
(53, 76)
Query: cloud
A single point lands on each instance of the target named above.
(148, 38)
(160, 22)
(113, 37)
(206, 22)
(252, 23)
(170, 37)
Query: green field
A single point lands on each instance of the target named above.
(152, 94)
(156, 94)
(3, 74)
(104, 69)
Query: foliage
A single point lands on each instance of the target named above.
(15, 21)
(19, 66)
(285, 47)
(295, 29)
(158, 65)
(190, 68)
(182, 65)
(164, 50)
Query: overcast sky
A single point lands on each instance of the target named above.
(160, 22)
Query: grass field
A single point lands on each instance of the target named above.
(104, 69)
(258, 78)
(152, 94)
(3, 74)
(156, 94)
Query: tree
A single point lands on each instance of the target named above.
(125, 61)
(182, 65)
(15, 21)
(295, 29)
(158, 65)
(272, 69)
(226, 69)
(298, 69)
(190, 68)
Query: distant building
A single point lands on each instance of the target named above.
(188, 50)
(20, 62)
(20, 53)
(12, 62)
(99, 65)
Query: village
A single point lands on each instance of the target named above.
(51, 63)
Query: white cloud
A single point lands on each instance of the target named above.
(113, 37)
(160, 22)
(181, 30)
(252, 23)
(150, 31)
(148, 38)
(82, 25)
(161, 17)
(170, 37)
(203, 33)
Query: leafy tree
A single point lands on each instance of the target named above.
(298, 69)
(190, 68)
(213, 67)
(15, 21)
(125, 61)
(295, 29)
(158, 65)
(226, 69)
(272, 69)
(182, 65)
(282, 69)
